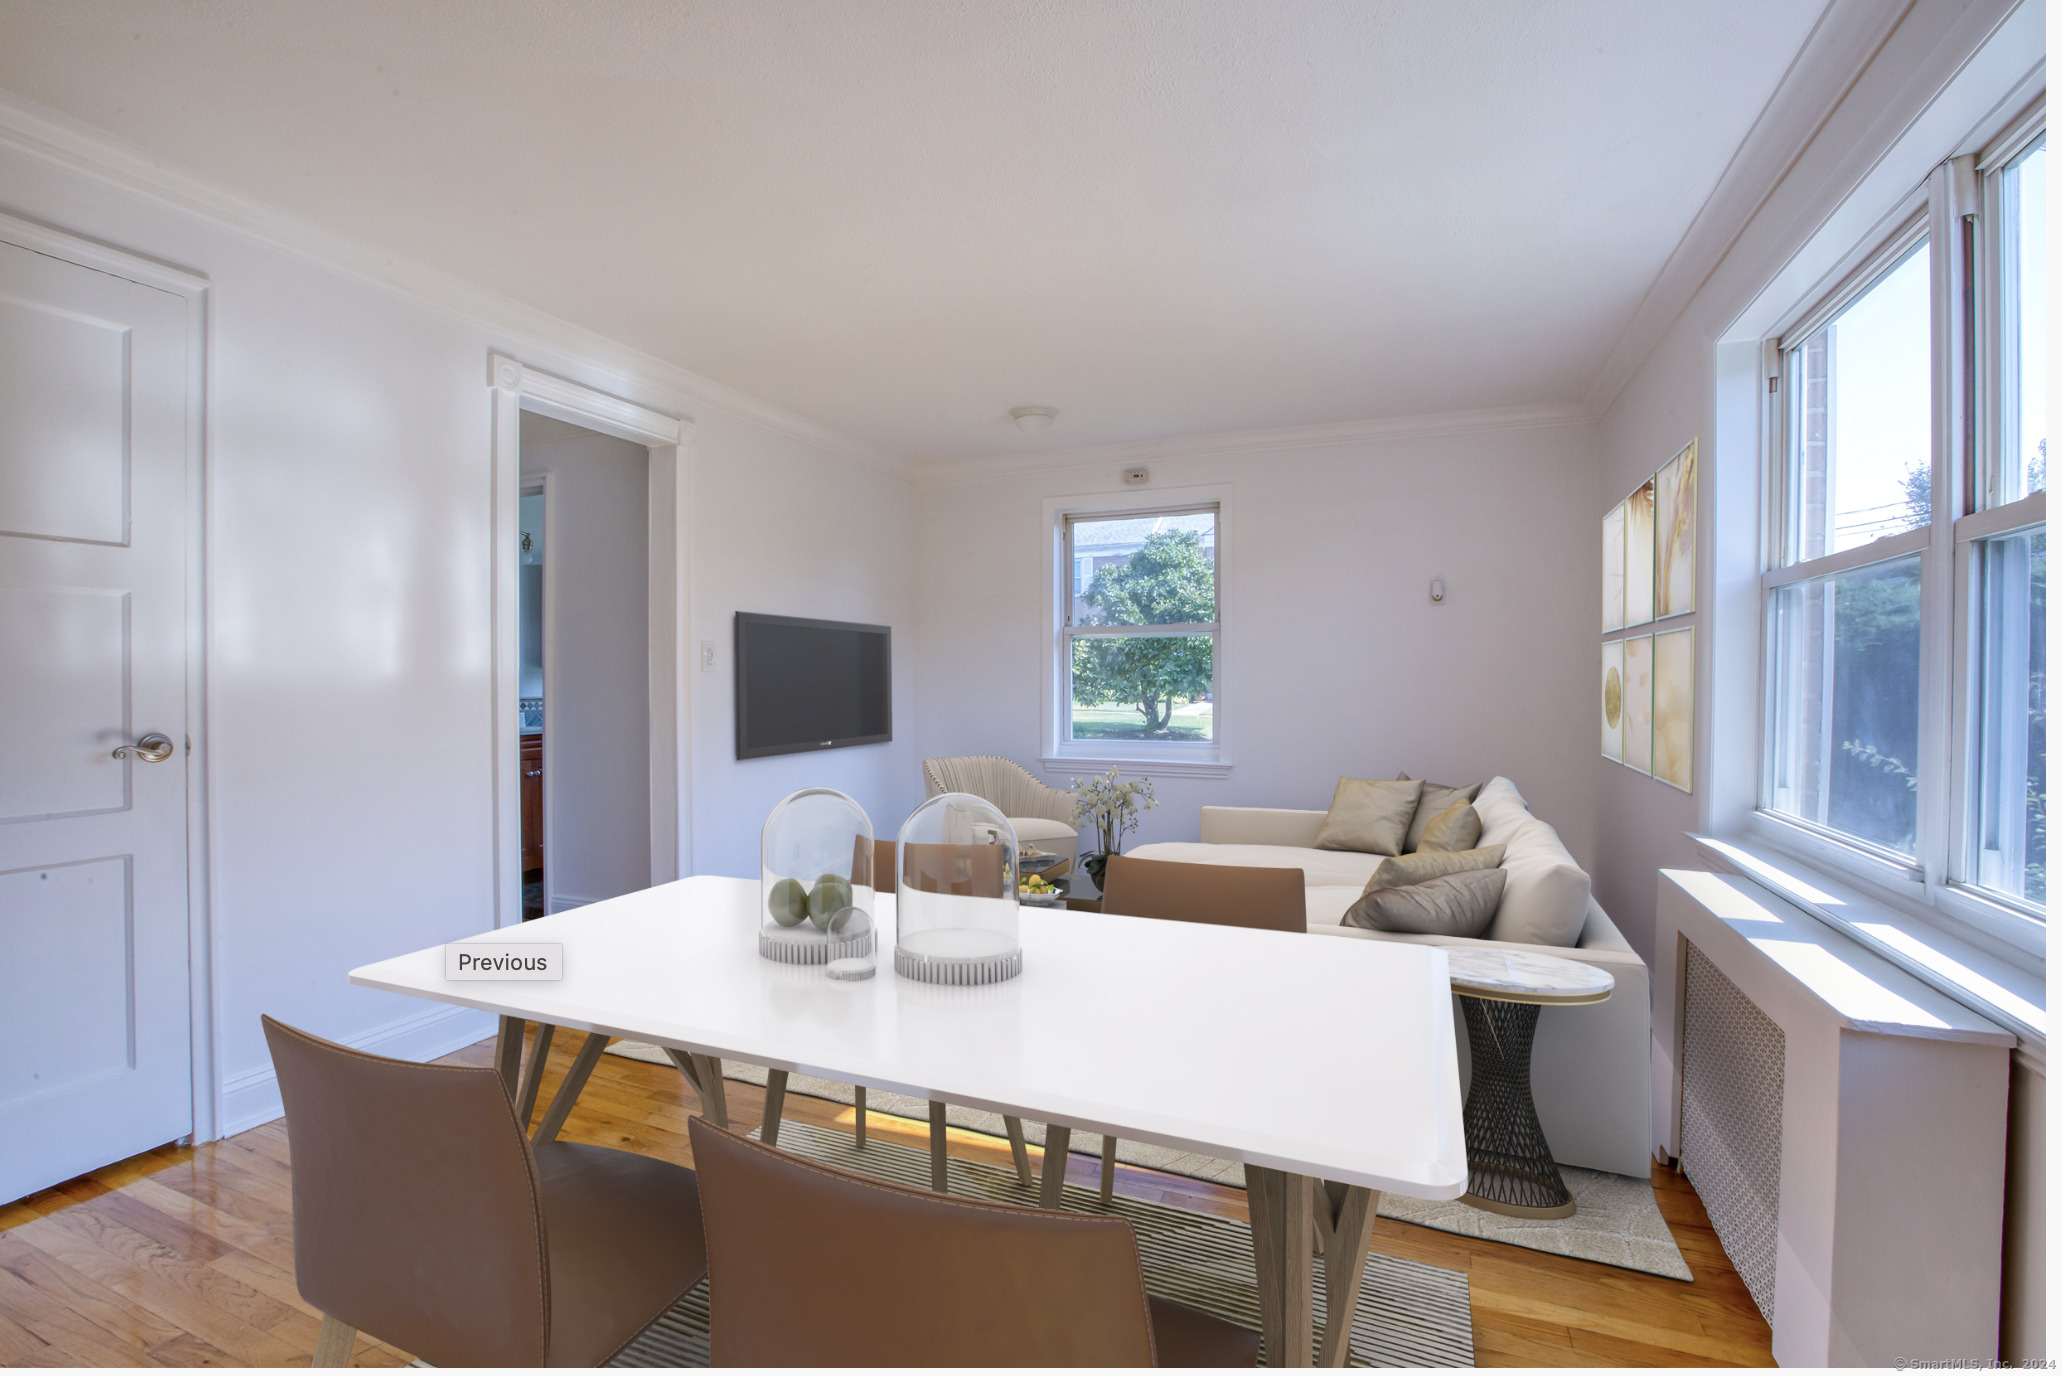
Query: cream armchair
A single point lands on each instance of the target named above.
(1040, 813)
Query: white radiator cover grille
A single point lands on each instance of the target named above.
(1732, 1121)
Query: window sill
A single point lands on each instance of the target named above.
(1171, 767)
(1987, 983)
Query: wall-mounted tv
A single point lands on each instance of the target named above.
(809, 685)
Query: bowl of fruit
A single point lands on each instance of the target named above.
(1036, 891)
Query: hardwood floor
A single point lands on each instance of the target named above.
(183, 1256)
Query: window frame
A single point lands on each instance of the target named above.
(1980, 516)
(1957, 211)
(1207, 759)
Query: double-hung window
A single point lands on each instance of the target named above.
(2002, 549)
(1139, 639)
(1904, 597)
(1845, 595)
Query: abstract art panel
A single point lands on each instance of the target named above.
(1675, 693)
(1639, 703)
(1614, 700)
(1675, 533)
(1639, 555)
(1614, 569)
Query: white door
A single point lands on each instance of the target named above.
(95, 1046)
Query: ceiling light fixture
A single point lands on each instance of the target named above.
(1033, 420)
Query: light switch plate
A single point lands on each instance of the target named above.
(708, 656)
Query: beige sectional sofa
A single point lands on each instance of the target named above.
(1590, 1075)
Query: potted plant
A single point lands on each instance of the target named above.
(1111, 805)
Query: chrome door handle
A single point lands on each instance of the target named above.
(155, 748)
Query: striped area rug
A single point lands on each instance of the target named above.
(1617, 1219)
(1410, 1314)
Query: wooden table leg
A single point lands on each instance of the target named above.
(1109, 1181)
(938, 1146)
(333, 1342)
(1279, 1205)
(508, 1053)
(570, 1087)
(715, 1107)
(533, 1073)
(776, 1100)
(1345, 1215)
(1019, 1153)
(859, 1117)
(1055, 1176)
(689, 1071)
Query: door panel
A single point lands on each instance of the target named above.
(51, 917)
(94, 1002)
(64, 396)
(63, 654)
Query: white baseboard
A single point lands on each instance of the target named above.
(252, 1100)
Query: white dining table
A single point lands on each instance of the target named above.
(1327, 1068)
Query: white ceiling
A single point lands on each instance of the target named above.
(900, 218)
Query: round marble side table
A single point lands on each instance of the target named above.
(1510, 1169)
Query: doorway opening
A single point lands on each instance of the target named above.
(591, 750)
(530, 704)
(584, 679)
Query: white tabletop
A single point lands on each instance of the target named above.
(1325, 1058)
(1525, 977)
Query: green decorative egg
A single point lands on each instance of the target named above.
(832, 892)
(789, 902)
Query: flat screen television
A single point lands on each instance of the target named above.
(809, 685)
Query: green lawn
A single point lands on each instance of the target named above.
(1191, 722)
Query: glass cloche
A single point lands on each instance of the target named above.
(956, 893)
(815, 862)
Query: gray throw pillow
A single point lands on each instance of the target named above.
(1399, 870)
(1457, 828)
(1454, 905)
(1436, 799)
(1371, 815)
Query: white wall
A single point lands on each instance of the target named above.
(597, 743)
(784, 529)
(1640, 820)
(348, 738)
(1335, 660)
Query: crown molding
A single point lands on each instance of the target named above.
(77, 147)
(1325, 436)
(1839, 48)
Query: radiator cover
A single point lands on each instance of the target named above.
(1732, 1121)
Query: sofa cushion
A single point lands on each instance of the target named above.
(1501, 810)
(1397, 870)
(1436, 799)
(1371, 815)
(1346, 869)
(1461, 904)
(1546, 899)
(1043, 829)
(1457, 828)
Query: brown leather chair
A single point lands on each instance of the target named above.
(811, 1266)
(1225, 895)
(423, 1218)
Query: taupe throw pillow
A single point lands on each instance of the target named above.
(1459, 905)
(1399, 870)
(1436, 799)
(1457, 828)
(1371, 815)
